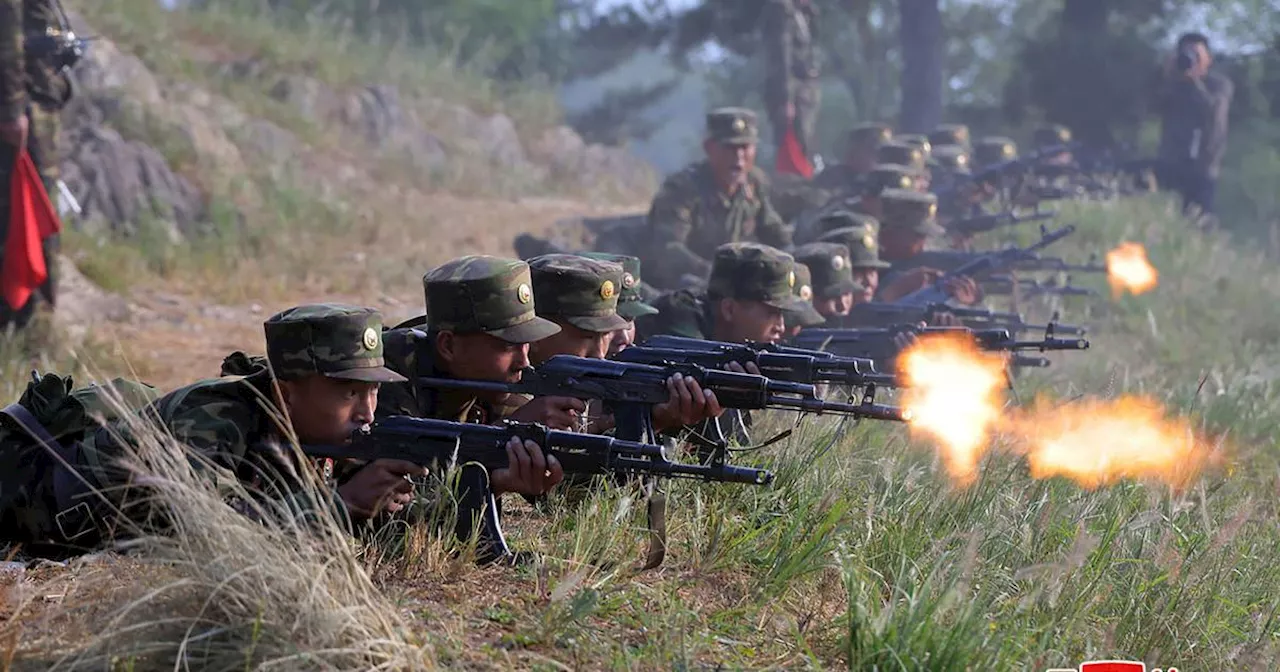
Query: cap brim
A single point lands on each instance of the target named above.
(527, 332)
(633, 309)
(373, 374)
(600, 324)
(930, 229)
(804, 314)
(737, 140)
(840, 289)
(872, 264)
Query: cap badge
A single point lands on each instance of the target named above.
(791, 279)
(739, 125)
(933, 209)
(962, 160)
(806, 293)
(606, 290)
(837, 262)
(370, 339)
(628, 281)
(869, 241)
(904, 182)
(524, 293)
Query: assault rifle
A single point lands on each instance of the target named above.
(794, 364)
(1007, 285)
(996, 173)
(881, 344)
(878, 313)
(991, 221)
(985, 264)
(442, 445)
(949, 260)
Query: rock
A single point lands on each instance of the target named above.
(311, 98)
(122, 183)
(105, 68)
(82, 303)
(497, 136)
(570, 158)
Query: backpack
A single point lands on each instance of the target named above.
(40, 432)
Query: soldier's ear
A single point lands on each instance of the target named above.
(726, 309)
(446, 346)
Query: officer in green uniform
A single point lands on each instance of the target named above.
(832, 277)
(791, 87)
(865, 265)
(805, 315)
(719, 200)
(631, 303)
(33, 91)
(324, 370)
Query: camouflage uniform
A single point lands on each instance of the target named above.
(902, 154)
(472, 294)
(908, 210)
(884, 176)
(230, 421)
(832, 274)
(920, 142)
(992, 150)
(690, 216)
(788, 28)
(864, 138)
(805, 315)
(32, 86)
(631, 303)
(862, 244)
(580, 291)
(950, 135)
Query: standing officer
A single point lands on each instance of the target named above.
(791, 89)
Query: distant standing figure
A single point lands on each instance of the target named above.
(1194, 104)
(791, 91)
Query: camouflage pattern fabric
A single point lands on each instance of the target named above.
(480, 293)
(950, 135)
(788, 29)
(862, 244)
(330, 339)
(32, 86)
(690, 217)
(754, 272)
(412, 353)
(680, 313)
(911, 209)
(732, 126)
(830, 268)
(803, 314)
(581, 291)
(631, 303)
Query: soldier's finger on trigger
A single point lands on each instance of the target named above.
(537, 461)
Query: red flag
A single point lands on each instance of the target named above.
(1114, 666)
(791, 158)
(31, 220)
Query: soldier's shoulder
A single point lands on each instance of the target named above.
(684, 181)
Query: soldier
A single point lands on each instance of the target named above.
(833, 284)
(1053, 135)
(950, 134)
(479, 323)
(631, 303)
(805, 315)
(920, 142)
(749, 288)
(325, 369)
(33, 90)
(994, 150)
(906, 226)
(859, 157)
(712, 202)
(791, 89)
(949, 166)
(864, 258)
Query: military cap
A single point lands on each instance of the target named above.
(1051, 134)
(330, 339)
(630, 304)
(951, 158)
(890, 176)
(993, 150)
(949, 134)
(753, 272)
(863, 246)
(484, 294)
(829, 267)
(578, 290)
(918, 141)
(912, 210)
(902, 154)
(840, 219)
(871, 134)
(732, 126)
(803, 313)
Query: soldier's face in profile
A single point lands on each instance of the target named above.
(479, 356)
(326, 411)
(571, 341)
(622, 339)
(744, 320)
(834, 306)
(869, 278)
(730, 163)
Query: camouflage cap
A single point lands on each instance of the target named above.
(840, 219)
(753, 272)
(870, 135)
(951, 158)
(910, 209)
(1051, 134)
(732, 126)
(863, 246)
(830, 268)
(902, 154)
(578, 290)
(993, 150)
(949, 134)
(919, 141)
(802, 313)
(484, 294)
(630, 303)
(330, 339)
(890, 176)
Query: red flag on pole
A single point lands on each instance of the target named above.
(32, 219)
(791, 158)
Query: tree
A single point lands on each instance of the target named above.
(920, 31)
